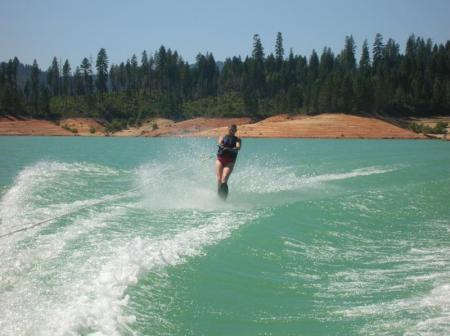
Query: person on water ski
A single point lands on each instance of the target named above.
(229, 145)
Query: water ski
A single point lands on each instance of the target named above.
(223, 191)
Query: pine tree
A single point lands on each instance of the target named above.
(313, 70)
(113, 78)
(313, 87)
(362, 85)
(102, 71)
(377, 51)
(134, 73)
(380, 92)
(213, 75)
(144, 81)
(206, 75)
(256, 68)
(79, 87)
(348, 54)
(258, 51)
(127, 76)
(120, 77)
(279, 51)
(160, 65)
(391, 55)
(86, 70)
(186, 81)
(34, 88)
(53, 78)
(230, 78)
(364, 63)
(67, 79)
(326, 63)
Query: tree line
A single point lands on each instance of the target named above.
(382, 81)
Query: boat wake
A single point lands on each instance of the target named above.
(70, 276)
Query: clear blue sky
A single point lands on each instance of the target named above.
(41, 29)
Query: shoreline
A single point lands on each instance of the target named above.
(211, 137)
(283, 126)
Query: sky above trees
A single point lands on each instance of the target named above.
(76, 29)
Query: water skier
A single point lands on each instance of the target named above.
(229, 145)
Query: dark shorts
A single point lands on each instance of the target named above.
(225, 160)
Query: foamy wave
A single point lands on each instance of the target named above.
(178, 187)
(19, 205)
(432, 309)
(412, 282)
(16, 201)
(342, 176)
(263, 180)
(53, 286)
(35, 275)
(438, 299)
(98, 304)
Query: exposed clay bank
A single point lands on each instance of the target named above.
(327, 125)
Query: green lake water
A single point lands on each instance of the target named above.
(317, 237)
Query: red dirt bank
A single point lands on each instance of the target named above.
(325, 125)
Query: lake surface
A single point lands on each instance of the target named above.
(317, 237)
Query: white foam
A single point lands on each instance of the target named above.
(83, 291)
(52, 285)
(177, 187)
(410, 287)
(98, 305)
(438, 300)
(432, 313)
(432, 309)
(18, 205)
(16, 201)
(270, 180)
(36, 275)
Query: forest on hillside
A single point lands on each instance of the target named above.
(383, 80)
